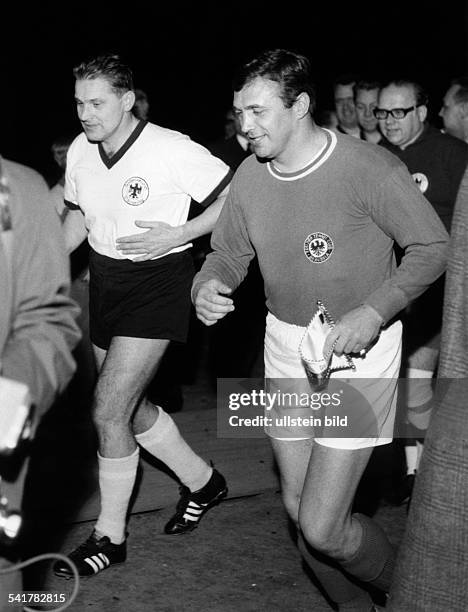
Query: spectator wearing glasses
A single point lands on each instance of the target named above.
(366, 97)
(437, 162)
(454, 111)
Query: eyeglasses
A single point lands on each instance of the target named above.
(396, 113)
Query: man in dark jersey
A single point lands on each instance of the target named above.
(322, 212)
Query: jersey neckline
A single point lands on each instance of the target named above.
(111, 161)
(312, 165)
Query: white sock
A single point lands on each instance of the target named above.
(421, 419)
(116, 481)
(420, 448)
(419, 384)
(411, 454)
(164, 442)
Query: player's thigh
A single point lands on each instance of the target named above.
(128, 367)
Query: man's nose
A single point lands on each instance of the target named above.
(83, 112)
(246, 123)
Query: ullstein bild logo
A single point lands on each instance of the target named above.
(318, 247)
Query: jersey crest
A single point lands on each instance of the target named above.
(421, 181)
(135, 191)
(318, 247)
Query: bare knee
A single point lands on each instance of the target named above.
(144, 417)
(323, 534)
(108, 415)
(107, 421)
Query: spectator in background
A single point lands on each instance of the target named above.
(59, 150)
(327, 119)
(141, 107)
(366, 97)
(234, 147)
(454, 111)
(343, 92)
(229, 124)
(437, 162)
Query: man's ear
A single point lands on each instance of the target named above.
(302, 104)
(463, 110)
(422, 112)
(128, 100)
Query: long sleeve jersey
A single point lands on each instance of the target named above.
(327, 232)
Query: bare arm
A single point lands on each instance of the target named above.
(74, 230)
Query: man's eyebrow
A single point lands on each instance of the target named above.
(250, 106)
(89, 100)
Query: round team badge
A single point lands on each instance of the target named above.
(135, 191)
(421, 181)
(318, 247)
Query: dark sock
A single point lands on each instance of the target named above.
(349, 596)
(374, 560)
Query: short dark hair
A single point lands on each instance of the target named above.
(290, 70)
(419, 92)
(366, 85)
(348, 78)
(461, 95)
(108, 66)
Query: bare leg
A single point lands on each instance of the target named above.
(355, 541)
(332, 478)
(293, 459)
(125, 371)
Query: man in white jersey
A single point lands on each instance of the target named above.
(322, 212)
(130, 183)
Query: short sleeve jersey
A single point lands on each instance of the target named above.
(152, 177)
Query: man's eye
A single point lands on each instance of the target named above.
(257, 111)
(96, 104)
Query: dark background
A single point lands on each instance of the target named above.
(184, 57)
